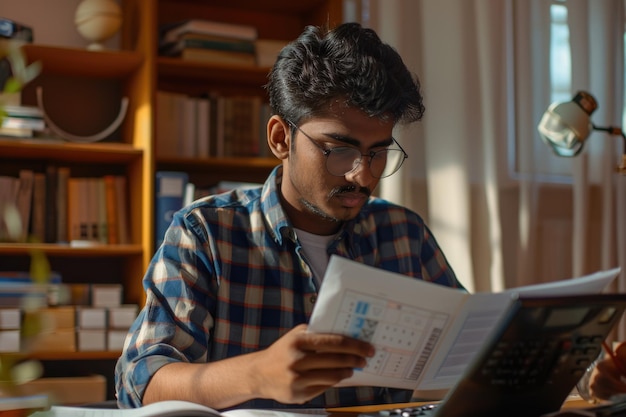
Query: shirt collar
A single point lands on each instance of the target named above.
(277, 219)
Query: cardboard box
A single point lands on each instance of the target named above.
(122, 317)
(60, 340)
(10, 341)
(91, 317)
(92, 340)
(10, 318)
(115, 339)
(68, 390)
(106, 295)
(59, 318)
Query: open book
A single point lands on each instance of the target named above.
(172, 408)
(425, 334)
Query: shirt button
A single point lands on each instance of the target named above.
(313, 299)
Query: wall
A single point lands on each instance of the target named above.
(52, 21)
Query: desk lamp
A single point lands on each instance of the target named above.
(566, 126)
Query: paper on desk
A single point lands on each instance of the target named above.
(173, 408)
(425, 334)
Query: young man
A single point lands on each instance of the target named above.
(232, 287)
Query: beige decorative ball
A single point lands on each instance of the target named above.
(97, 21)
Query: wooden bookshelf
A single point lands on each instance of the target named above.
(278, 20)
(82, 92)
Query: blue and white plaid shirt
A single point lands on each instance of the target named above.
(231, 278)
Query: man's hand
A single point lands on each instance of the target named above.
(294, 369)
(606, 379)
(301, 365)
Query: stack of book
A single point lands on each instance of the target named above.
(211, 126)
(22, 121)
(55, 207)
(209, 41)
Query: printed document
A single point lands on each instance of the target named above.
(425, 334)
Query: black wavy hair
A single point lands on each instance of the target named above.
(348, 63)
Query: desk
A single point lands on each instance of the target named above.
(570, 403)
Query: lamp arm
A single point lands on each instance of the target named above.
(613, 131)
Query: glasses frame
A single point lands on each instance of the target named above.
(327, 151)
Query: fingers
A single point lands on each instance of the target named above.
(606, 380)
(301, 365)
(326, 342)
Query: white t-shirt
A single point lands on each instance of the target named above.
(314, 247)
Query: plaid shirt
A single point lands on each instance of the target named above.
(231, 278)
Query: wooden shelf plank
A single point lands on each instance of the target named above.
(176, 68)
(81, 62)
(61, 250)
(84, 355)
(218, 163)
(112, 153)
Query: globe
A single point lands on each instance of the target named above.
(97, 21)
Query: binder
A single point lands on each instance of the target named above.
(169, 195)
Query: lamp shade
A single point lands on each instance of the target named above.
(566, 126)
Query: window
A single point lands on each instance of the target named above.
(560, 54)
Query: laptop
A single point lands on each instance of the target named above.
(534, 359)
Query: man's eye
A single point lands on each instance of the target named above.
(379, 154)
(342, 150)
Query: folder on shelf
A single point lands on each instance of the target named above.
(169, 195)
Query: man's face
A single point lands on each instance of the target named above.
(316, 200)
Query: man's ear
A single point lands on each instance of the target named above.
(278, 137)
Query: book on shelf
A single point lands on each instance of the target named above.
(51, 204)
(171, 32)
(111, 210)
(17, 132)
(216, 56)
(210, 125)
(168, 119)
(267, 51)
(121, 201)
(239, 126)
(169, 198)
(63, 176)
(188, 127)
(219, 43)
(25, 277)
(97, 210)
(8, 192)
(22, 121)
(203, 126)
(433, 330)
(24, 198)
(38, 212)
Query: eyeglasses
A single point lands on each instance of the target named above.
(342, 160)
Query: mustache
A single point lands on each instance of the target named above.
(350, 189)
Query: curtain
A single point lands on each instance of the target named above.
(457, 50)
(505, 210)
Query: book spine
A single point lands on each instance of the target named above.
(73, 206)
(219, 45)
(51, 204)
(111, 210)
(38, 222)
(203, 127)
(170, 191)
(101, 209)
(121, 200)
(166, 124)
(25, 198)
(227, 30)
